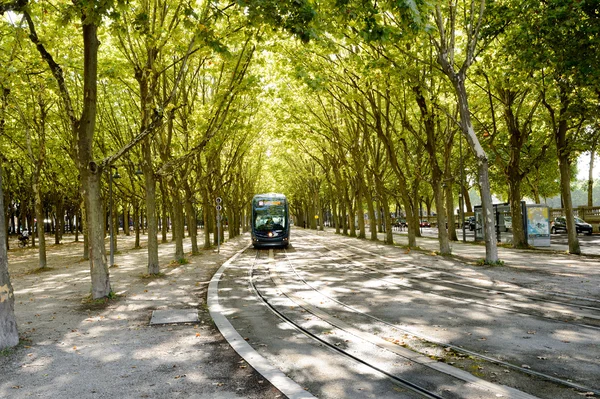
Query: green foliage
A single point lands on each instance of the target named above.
(99, 303)
(483, 262)
(294, 16)
(259, 111)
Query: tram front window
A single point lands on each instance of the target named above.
(270, 219)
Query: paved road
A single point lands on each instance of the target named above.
(348, 318)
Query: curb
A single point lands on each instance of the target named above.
(275, 376)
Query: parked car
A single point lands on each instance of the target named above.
(399, 223)
(470, 223)
(424, 223)
(560, 224)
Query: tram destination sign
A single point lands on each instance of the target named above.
(268, 202)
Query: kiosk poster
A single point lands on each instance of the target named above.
(538, 225)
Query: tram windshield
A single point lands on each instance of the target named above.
(269, 215)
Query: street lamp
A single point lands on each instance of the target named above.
(110, 212)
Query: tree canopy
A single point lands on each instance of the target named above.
(348, 107)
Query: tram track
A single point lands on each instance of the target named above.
(407, 354)
(403, 382)
(456, 348)
(541, 295)
(517, 301)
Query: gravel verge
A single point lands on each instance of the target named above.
(73, 347)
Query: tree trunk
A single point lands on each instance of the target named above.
(565, 183)
(39, 215)
(115, 224)
(206, 215)
(136, 223)
(450, 213)
(416, 216)
(59, 217)
(491, 246)
(164, 211)
(84, 227)
(230, 221)
(150, 183)
(351, 217)
(335, 208)
(441, 219)
(467, 199)
(77, 224)
(9, 335)
(518, 229)
(192, 221)
(89, 171)
(360, 213)
(178, 229)
(320, 214)
(372, 219)
(590, 185)
(95, 216)
(386, 220)
(428, 118)
(126, 217)
(217, 226)
(389, 234)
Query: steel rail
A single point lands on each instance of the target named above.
(457, 348)
(401, 381)
(516, 308)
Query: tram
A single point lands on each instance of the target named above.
(270, 221)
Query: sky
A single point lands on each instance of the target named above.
(583, 166)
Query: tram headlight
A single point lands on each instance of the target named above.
(270, 234)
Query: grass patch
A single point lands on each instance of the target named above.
(24, 342)
(101, 303)
(178, 262)
(483, 262)
(9, 351)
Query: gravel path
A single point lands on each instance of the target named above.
(71, 347)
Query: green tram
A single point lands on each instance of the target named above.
(270, 221)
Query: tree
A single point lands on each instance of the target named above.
(9, 335)
(559, 39)
(515, 137)
(83, 128)
(445, 42)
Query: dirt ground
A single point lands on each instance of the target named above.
(75, 348)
